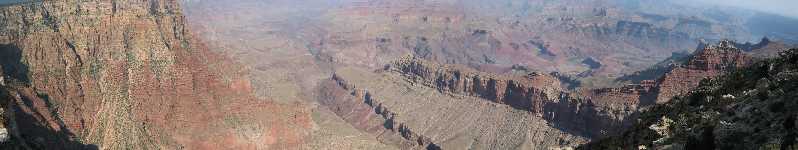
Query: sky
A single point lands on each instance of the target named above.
(787, 8)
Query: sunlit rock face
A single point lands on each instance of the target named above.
(711, 61)
(129, 74)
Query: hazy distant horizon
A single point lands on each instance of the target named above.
(6, 2)
(787, 8)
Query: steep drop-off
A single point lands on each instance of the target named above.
(129, 75)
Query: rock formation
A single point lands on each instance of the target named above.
(130, 75)
(399, 112)
(526, 93)
(592, 113)
(712, 60)
(744, 109)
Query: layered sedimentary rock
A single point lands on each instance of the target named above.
(587, 112)
(367, 113)
(591, 113)
(380, 101)
(584, 114)
(527, 93)
(129, 75)
(710, 61)
(414, 115)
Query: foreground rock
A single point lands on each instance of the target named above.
(750, 108)
(130, 75)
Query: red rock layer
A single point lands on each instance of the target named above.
(526, 93)
(540, 94)
(129, 75)
(708, 62)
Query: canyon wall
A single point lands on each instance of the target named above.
(540, 94)
(587, 112)
(413, 115)
(129, 74)
(523, 93)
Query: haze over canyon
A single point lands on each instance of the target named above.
(398, 74)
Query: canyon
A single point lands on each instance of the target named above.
(360, 74)
(398, 100)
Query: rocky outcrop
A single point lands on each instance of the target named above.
(712, 60)
(747, 108)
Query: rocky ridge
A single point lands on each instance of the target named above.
(519, 92)
(540, 94)
(710, 61)
(390, 127)
(746, 108)
(400, 112)
(587, 113)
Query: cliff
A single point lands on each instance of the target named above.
(540, 94)
(129, 75)
(712, 60)
(527, 93)
(411, 115)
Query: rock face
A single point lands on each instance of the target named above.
(411, 115)
(540, 94)
(130, 75)
(747, 108)
(517, 92)
(713, 60)
(547, 36)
